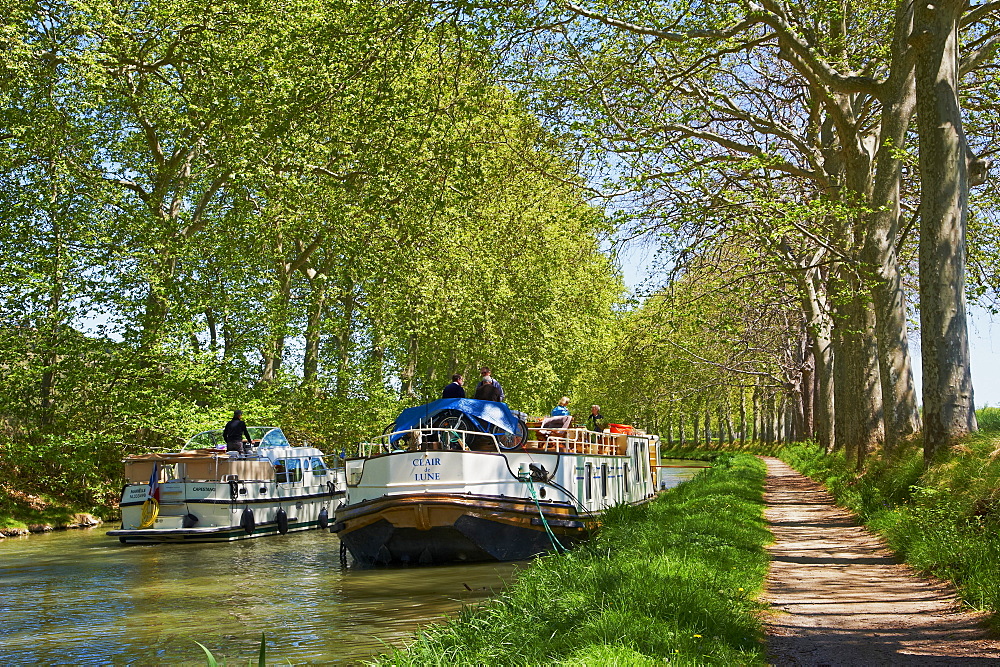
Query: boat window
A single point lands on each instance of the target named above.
(288, 470)
(604, 479)
(588, 472)
(317, 466)
(625, 475)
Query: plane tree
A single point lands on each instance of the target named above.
(820, 92)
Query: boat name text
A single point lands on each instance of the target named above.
(427, 474)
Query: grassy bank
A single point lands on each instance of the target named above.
(676, 579)
(944, 520)
(19, 511)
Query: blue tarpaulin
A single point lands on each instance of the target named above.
(485, 411)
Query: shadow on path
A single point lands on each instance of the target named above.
(839, 597)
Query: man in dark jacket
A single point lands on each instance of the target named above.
(234, 432)
(455, 389)
(488, 388)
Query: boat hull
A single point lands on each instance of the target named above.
(212, 534)
(431, 529)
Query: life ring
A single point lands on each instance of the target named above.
(150, 510)
(247, 522)
(324, 518)
(282, 520)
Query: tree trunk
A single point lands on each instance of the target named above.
(820, 324)
(859, 391)
(411, 366)
(949, 409)
(314, 322)
(275, 347)
(899, 397)
(708, 425)
(743, 415)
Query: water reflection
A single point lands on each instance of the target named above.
(80, 597)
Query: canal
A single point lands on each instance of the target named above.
(79, 597)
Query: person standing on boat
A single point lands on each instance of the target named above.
(488, 388)
(562, 408)
(595, 422)
(234, 432)
(455, 389)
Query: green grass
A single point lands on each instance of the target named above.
(944, 520)
(19, 510)
(675, 580)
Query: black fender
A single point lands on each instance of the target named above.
(281, 518)
(247, 521)
(324, 518)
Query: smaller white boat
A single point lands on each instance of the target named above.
(203, 493)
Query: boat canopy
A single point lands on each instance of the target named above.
(491, 412)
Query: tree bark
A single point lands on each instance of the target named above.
(899, 397)
(949, 409)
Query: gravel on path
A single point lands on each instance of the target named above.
(838, 596)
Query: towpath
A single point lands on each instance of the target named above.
(839, 597)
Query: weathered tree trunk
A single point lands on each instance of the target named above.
(899, 398)
(820, 324)
(949, 409)
(859, 405)
(680, 430)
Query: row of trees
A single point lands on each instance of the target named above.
(313, 210)
(822, 141)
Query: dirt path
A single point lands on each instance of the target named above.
(839, 597)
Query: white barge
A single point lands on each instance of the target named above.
(203, 493)
(468, 480)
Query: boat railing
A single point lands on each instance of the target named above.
(578, 441)
(433, 439)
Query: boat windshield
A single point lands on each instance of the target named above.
(269, 436)
(206, 440)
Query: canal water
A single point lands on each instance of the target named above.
(79, 597)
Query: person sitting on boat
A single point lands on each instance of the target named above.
(488, 388)
(562, 408)
(595, 422)
(234, 432)
(455, 389)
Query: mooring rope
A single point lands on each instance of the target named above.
(556, 544)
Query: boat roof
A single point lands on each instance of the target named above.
(493, 412)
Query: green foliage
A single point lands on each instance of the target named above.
(673, 580)
(944, 520)
(317, 220)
